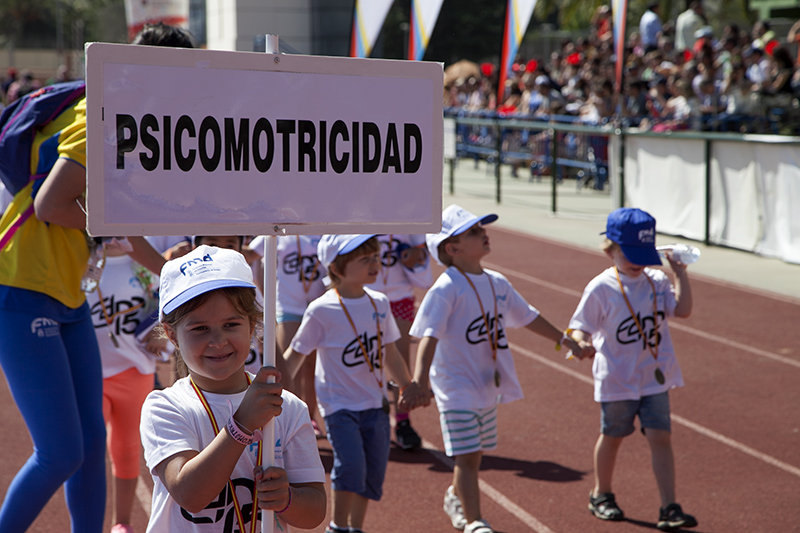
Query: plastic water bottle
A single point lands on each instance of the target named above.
(94, 269)
(680, 252)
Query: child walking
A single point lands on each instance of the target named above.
(353, 331)
(624, 311)
(404, 267)
(124, 306)
(204, 460)
(298, 282)
(464, 353)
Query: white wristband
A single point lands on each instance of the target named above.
(237, 434)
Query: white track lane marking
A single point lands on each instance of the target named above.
(786, 467)
(672, 324)
(491, 492)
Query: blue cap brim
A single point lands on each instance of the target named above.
(199, 289)
(641, 255)
(354, 243)
(486, 219)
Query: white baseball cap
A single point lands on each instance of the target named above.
(455, 221)
(204, 269)
(331, 246)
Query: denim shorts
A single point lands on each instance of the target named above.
(616, 418)
(281, 317)
(360, 442)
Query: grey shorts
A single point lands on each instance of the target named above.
(616, 418)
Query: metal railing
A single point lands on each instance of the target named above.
(556, 146)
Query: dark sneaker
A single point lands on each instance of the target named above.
(605, 507)
(673, 517)
(406, 437)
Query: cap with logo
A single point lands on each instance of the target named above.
(332, 246)
(455, 221)
(635, 232)
(204, 269)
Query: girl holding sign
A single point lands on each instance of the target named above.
(200, 436)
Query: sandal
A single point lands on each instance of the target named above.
(605, 507)
(673, 517)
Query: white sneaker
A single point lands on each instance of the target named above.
(452, 506)
(478, 526)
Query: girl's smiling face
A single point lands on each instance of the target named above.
(214, 342)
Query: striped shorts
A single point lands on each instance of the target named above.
(469, 431)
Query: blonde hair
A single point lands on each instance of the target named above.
(370, 246)
(243, 300)
(609, 245)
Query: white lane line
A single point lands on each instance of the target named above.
(144, 496)
(786, 467)
(491, 492)
(672, 324)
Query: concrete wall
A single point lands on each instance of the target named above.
(232, 24)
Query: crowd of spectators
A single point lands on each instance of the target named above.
(677, 75)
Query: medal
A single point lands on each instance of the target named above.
(493, 339)
(385, 405)
(113, 339)
(660, 376)
(110, 319)
(496, 378)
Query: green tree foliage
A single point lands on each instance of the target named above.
(34, 23)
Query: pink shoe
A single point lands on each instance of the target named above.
(122, 528)
(317, 432)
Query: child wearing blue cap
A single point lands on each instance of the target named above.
(624, 312)
(464, 354)
(352, 329)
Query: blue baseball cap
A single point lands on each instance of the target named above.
(634, 231)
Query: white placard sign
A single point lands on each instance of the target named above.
(189, 142)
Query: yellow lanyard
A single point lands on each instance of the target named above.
(653, 352)
(493, 339)
(110, 320)
(361, 344)
(237, 509)
(385, 269)
(306, 282)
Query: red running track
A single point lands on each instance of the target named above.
(736, 424)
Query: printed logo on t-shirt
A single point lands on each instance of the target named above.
(628, 331)
(308, 271)
(476, 331)
(389, 255)
(123, 321)
(44, 327)
(353, 355)
(221, 511)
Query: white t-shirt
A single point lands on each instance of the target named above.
(624, 368)
(174, 420)
(342, 376)
(462, 372)
(123, 291)
(291, 295)
(395, 280)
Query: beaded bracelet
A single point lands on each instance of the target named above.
(566, 335)
(288, 504)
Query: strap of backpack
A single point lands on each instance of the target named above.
(20, 219)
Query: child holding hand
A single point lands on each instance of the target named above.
(200, 436)
(354, 333)
(464, 353)
(624, 311)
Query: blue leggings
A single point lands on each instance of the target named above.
(54, 374)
